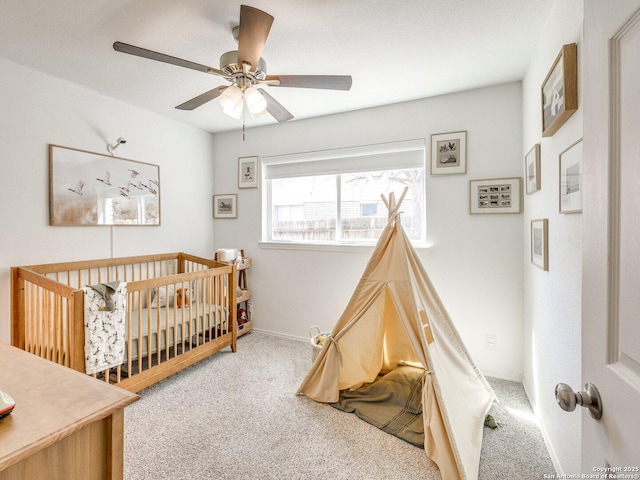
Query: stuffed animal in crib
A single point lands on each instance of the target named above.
(182, 297)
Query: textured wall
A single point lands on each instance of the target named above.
(39, 110)
(475, 261)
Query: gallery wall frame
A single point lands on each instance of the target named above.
(532, 169)
(570, 184)
(248, 172)
(559, 90)
(449, 153)
(225, 205)
(88, 188)
(540, 243)
(495, 195)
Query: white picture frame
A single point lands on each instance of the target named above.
(495, 195)
(449, 153)
(249, 172)
(570, 184)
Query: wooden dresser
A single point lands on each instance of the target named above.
(66, 425)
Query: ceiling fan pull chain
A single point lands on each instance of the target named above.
(244, 114)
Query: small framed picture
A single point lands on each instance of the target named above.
(560, 90)
(496, 195)
(532, 169)
(540, 243)
(571, 179)
(449, 153)
(248, 172)
(225, 206)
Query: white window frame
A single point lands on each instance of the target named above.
(364, 157)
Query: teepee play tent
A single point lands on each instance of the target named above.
(395, 317)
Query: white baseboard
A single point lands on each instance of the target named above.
(282, 335)
(500, 376)
(543, 430)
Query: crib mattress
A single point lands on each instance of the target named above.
(169, 327)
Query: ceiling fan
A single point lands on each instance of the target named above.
(244, 69)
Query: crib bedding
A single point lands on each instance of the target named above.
(174, 324)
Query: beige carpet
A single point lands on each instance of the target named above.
(236, 416)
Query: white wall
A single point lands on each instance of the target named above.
(552, 300)
(475, 261)
(39, 110)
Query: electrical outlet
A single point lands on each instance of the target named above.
(490, 342)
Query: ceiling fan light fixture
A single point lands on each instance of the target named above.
(256, 103)
(234, 112)
(231, 98)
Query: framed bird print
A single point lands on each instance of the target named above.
(87, 188)
(449, 153)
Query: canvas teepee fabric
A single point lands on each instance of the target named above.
(396, 316)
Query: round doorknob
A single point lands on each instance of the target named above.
(590, 399)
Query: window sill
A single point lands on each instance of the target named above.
(327, 247)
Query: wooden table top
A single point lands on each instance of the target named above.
(52, 402)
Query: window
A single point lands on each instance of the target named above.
(333, 196)
(368, 209)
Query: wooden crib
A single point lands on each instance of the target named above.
(162, 337)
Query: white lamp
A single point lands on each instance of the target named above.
(231, 98)
(255, 101)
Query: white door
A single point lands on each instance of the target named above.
(611, 234)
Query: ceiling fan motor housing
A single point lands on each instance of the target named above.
(229, 65)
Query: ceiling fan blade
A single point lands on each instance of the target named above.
(202, 99)
(329, 82)
(161, 57)
(254, 30)
(275, 109)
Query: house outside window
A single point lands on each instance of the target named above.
(334, 196)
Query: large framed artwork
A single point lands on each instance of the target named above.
(496, 195)
(571, 179)
(87, 188)
(449, 153)
(560, 90)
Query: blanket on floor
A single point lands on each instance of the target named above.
(393, 403)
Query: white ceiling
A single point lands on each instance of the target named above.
(395, 50)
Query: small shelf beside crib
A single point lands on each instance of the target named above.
(245, 322)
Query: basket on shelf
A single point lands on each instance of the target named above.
(243, 294)
(244, 262)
